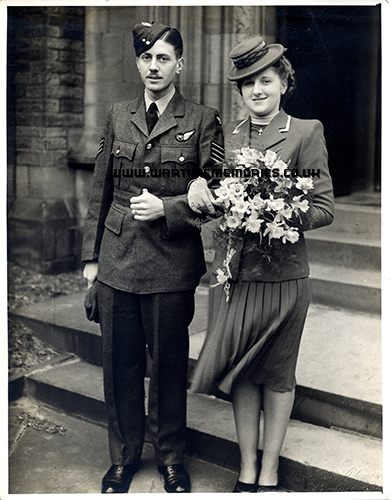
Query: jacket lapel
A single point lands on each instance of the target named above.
(176, 107)
(275, 133)
(138, 115)
(239, 136)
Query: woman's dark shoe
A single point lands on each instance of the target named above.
(266, 489)
(176, 478)
(118, 478)
(245, 487)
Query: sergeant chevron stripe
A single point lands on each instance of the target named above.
(101, 145)
(217, 152)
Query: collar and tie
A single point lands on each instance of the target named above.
(152, 116)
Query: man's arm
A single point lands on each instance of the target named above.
(101, 196)
(179, 216)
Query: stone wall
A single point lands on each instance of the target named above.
(48, 67)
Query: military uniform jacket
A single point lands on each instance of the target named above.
(302, 144)
(150, 256)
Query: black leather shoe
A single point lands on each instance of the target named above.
(176, 478)
(118, 478)
(245, 487)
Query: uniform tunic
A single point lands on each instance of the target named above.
(150, 256)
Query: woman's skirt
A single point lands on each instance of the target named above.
(255, 335)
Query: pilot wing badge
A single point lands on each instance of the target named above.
(185, 136)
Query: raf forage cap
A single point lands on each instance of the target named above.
(146, 34)
(253, 55)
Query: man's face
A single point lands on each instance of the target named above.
(158, 67)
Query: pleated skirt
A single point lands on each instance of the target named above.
(255, 335)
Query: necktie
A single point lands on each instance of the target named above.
(152, 116)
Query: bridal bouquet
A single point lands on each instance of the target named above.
(259, 195)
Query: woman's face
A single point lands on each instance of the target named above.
(262, 92)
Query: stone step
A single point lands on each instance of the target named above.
(330, 392)
(75, 459)
(343, 250)
(359, 220)
(313, 458)
(345, 287)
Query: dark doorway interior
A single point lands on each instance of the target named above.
(336, 54)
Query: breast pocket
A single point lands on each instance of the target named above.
(179, 165)
(123, 156)
(115, 219)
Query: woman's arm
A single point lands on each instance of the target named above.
(313, 156)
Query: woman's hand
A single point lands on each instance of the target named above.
(90, 273)
(147, 206)
(200, 198)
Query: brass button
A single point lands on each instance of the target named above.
(181, 159)
(117, 152)
(149, 145)
(147, 169)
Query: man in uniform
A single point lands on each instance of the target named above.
(143, 253)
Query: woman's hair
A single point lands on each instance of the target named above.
(173, 37)
(284, 70)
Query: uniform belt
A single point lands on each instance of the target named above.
(123, 197)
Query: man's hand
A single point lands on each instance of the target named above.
(200, 198)
(90, 273)
(147, 206)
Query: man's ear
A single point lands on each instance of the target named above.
(180, 64)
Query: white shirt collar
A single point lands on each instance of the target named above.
(161, 103)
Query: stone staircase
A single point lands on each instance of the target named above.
(345, 259)
(334, 437)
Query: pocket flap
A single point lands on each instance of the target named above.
(179, 155)
(114, 219)
(123, 149)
